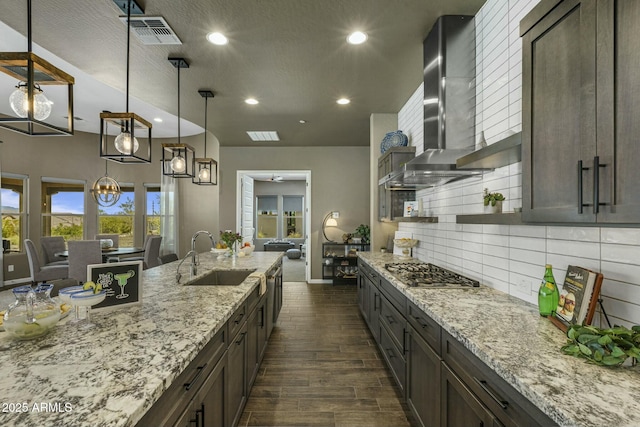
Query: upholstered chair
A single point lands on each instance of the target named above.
(39, 272)
(50, 246)
(81, 254)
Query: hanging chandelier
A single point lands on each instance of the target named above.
(106, 190)
(205, 168)
(127, 146)
(29, 102)
(178, 158)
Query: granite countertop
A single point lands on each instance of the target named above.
(509, 336)
(112, 374)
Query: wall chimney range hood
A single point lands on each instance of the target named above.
(449, 107)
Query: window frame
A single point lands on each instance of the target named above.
(152, 188)
(23, 213)
(128, 188)
(46, 216)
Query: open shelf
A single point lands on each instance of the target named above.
(512, 218)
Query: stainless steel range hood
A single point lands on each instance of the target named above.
(449, 107)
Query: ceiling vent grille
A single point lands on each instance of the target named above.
(152, 30)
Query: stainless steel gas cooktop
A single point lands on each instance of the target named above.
(430, 276)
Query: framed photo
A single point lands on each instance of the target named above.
(121, 280)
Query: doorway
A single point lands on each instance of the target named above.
(246, 205)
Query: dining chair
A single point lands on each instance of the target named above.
(151, 252)
(40, 272)
(166, 259)
(50, 246)
(81, 254)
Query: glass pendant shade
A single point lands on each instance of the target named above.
(123, 143)
(178, 164)
(204, 174)
(19, 101)
(106, 191)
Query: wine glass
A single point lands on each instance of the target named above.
(65, 297)
(87, 299)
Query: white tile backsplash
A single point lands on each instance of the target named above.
(512, 258)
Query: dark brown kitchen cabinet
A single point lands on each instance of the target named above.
(581, 92)
(237, 390)
(460, 407)
(423, 383)
(369, 298)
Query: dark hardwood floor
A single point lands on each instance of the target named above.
(322, 367)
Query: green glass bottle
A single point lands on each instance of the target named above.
(548, 294)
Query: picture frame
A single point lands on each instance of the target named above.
(121, 280)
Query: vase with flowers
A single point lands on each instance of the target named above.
(230, 239)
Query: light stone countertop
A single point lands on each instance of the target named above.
(509, 336)
(112, 374)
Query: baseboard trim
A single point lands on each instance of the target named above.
(25, 280)
(320, 282)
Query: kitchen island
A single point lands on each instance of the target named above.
(523, 349)
(111, 375)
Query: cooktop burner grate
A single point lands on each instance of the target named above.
(429, 276)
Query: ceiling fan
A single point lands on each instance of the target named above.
(274, 178)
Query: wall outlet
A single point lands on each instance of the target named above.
(10, 268)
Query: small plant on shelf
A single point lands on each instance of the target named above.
(364, 232)
(490, 199)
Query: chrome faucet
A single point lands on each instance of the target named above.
(194, 258)
(194, 262)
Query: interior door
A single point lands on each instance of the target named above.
(246, 218)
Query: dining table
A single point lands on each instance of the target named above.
(110, 252)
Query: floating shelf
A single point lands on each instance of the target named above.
(432, 219)
(501, 218)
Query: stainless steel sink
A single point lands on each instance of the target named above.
(222, 277)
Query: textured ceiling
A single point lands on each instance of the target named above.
(291, 55)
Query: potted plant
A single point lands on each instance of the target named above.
(364, 232)
(492, 201)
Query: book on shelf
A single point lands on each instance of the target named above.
(578, 297)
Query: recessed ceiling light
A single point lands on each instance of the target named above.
(266, 135)
(157, 120)
(357, 37)
(343, 101)
(302, 121)
(217, 38)
(251, 101)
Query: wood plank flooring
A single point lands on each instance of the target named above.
(322, 367)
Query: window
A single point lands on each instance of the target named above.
(63, 208)
(280, 217)
(293, 208)
(14, 210)
(152, 200)
(267, 217)
(119, 218)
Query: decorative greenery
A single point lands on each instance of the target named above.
(492, 198)
(229, 237)
(607, 347)
(364, 232)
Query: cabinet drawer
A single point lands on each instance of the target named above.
(394, 321)
(394, 357)
(394, 296)
(237, 319)
(510, 407)
(426, 327)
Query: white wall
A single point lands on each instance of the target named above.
(512, 258)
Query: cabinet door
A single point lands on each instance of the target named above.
(208, 407)
(253, 328)
(618, 86)
(373, 314)
(459, 406)
(558, 112)
(236, 389)
(363, 295)
(423, 381)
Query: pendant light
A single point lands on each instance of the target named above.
(177, 158)
(128, 146)
(29, 101)
(205, 168)
(106, 190)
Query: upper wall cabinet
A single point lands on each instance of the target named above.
(581, 97)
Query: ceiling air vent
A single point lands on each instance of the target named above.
(152, 30)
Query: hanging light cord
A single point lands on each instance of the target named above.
(29, 43)
(178, 102)
(128, 43)
(206, 102)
